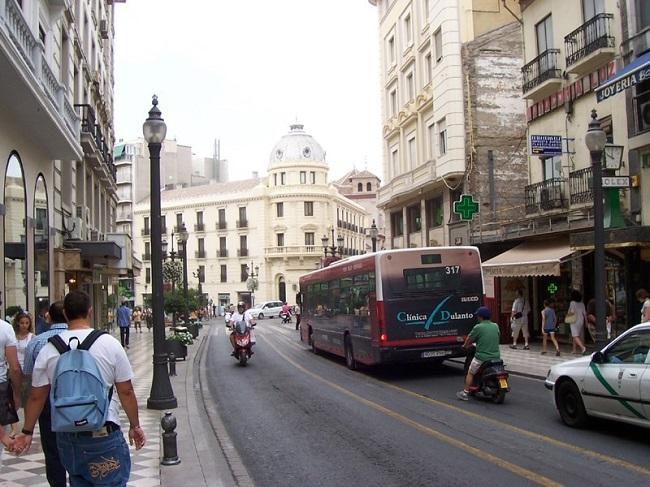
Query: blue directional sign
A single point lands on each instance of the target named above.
(546, 145)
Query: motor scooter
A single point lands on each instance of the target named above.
(491, 380)
(243, 344)
(286, 317)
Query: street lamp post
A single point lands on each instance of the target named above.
(333, 249)
(373, 235)
(251, 282)
(595, 140)
(162, 395)
(182, 239)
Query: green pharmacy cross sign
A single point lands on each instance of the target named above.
(552, 288)
(466, 207)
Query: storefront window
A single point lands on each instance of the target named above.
(15, 298)
(41, 244)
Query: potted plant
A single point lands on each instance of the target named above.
(177, 343)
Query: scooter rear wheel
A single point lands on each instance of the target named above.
(500, 396)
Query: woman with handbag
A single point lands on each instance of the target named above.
(576, 318)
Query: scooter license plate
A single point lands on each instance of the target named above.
(503, 383)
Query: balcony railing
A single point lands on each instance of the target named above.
(242, 252)
(581, 186)
(293, 250)
(145, 232)
(540, 69)
(242, 223)
(199, 254)
(589, 37)
(222, 253)
(199, 227)
(545, 196)
(146, 257)
(222, 225)
(93, 130)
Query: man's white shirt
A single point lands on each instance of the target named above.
(114, 365)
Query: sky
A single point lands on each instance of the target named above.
(242, 70)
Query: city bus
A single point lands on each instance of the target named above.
(391, 306)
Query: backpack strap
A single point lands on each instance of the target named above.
(90, 339)
(59, 344)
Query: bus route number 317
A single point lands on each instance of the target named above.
(452, 269)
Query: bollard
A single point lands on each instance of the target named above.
(171, 358)
(170, 452)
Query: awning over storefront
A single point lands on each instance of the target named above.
(96, 249)
(631, 74)
(536, 258)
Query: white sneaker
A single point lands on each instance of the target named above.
(462, 395)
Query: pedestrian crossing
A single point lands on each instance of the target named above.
(29, 469)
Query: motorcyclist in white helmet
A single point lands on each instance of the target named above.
(241, 314)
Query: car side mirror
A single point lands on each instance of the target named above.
(598, 358)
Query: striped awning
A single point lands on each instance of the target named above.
(534, 258)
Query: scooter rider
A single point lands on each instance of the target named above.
(242, 314)
(485, 335)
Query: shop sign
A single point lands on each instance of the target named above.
(546, 145)
(616, 182)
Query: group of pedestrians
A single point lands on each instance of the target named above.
(96, 457)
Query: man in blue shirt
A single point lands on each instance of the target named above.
(124, 322)
(53, 468)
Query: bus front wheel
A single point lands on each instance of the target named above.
(349, 354)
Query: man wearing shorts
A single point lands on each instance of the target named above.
(485, 336)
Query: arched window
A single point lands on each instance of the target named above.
(15, 231)
(360, 187)
(368, 186)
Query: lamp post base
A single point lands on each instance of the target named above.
(162, 403)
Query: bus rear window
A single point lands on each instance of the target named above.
(432, 278)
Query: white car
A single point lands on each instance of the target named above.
(613, 383)
(266, 309)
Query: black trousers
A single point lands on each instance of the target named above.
(53, 467)
(124, 335)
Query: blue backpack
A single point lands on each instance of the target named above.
(79, 398)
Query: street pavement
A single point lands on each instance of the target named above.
(208, 455)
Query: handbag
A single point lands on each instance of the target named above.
(570, 318)
(8, 414)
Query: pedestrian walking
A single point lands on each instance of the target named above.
(549, 326)
(91, 457)
(24, 330)
(297, 311)
(644, 298)
(124, 323)
(41, 317)
(10, 381)
(54, 470)
(576, 318)
(137, 319)
(519, 319)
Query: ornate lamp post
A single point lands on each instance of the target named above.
(333, 249)
(182, 235)
(251, 283)
(595, 139)
(162, 395)
(373, 235)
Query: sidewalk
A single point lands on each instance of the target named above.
(196, 440)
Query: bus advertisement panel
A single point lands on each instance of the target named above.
(393, 306)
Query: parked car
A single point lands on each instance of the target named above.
(613, 383)
(266, 309)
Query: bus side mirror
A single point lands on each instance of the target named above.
(598, 358)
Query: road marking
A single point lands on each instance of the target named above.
(511, 467)
(515, 429)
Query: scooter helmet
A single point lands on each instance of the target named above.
(483, 312)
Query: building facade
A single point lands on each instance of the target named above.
(275, 224)
(453, 116)
(580, 56)
(56, 139)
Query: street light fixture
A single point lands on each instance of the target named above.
(595, 139)
(333, 249)
(374, 232)
(252, 283)
(162, 395)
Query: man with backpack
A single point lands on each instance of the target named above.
(77, 364)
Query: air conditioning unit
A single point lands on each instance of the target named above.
(103, 28)
(78, 229)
